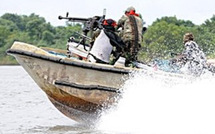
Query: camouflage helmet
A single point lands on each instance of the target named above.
(188, 37)
(129, 9)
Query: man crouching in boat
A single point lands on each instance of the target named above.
(104, 43)
(192, 60)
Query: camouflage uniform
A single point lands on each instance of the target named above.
(131, 34)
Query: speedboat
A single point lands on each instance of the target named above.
(77, 88)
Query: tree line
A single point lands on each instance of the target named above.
(32, 29)
(163, 37)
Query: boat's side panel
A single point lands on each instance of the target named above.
(71, 94)
(71, 105)
(76, 114)
(45, 73)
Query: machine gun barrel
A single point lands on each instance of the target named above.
(74, 19)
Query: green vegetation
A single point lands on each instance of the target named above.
(32, 29)
(165, 35)
(162, 37)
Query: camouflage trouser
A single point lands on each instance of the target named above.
(131, 51)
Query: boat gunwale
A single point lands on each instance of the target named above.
(72, 63)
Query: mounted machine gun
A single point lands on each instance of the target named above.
(90, 25)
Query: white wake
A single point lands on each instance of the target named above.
(152, 105)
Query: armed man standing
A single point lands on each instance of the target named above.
(131, 33)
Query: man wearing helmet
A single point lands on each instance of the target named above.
(131, 33)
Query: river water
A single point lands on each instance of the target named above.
(148, 106)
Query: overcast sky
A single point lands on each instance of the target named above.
(195, 10)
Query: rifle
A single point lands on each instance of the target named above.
(90, 24)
